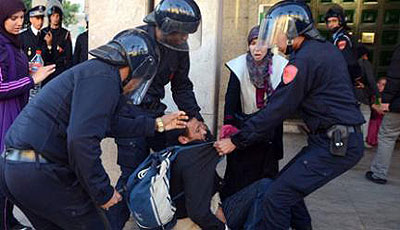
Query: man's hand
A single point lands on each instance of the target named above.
(114, 200)
(43, 73)
(175, 120)
(220, 215)
(359, 84)
(381, 109)
(224, 146)
(48, 38)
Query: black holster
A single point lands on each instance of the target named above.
(339, 136)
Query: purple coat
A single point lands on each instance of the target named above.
(15, 84)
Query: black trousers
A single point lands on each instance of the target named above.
(50, 196)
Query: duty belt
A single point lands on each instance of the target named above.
(23, 156)
(350, 129)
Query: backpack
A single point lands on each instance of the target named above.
(148, 191)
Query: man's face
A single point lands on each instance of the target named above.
(55, 19)
(176, 38)
(332, 23)
(37, 22)
(196, 131)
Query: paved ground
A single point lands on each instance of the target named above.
(348, 203)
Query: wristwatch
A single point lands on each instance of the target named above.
(160, 125)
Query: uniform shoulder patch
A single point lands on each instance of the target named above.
(289, 73)
(342, 44)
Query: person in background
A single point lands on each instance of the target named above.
(81, 45)
(376, 117)
(366, 88)
(390, 128)
(249, 90)
(336, 24)
(15, 84)
(58, 46)
(31, 39)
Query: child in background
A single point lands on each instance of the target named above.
(376, 118)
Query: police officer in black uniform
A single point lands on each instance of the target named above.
(336, 23)
(316, 82)
(81, 45)
(58, 46)
(52, 168)
(170, 25)
(31, 38)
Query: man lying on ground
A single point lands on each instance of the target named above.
(194, 173)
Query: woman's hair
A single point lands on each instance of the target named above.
(7, 9)
(253, 34)
(381, 79)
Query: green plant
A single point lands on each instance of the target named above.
(70, 9)
(28, 4)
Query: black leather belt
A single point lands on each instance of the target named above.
(350, 129)
(23, 156)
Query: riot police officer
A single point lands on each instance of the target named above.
(175, 26)
(81, 45)
(52, 168)
(336, 23)
(58, 46)
(316, 82)
(31, 39)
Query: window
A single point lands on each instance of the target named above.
(392, 17)
(390, 37)
(349, 16)
(369, 16)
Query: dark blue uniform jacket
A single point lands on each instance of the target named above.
(174, 67)
(68, 119)
(321, 90)
(348, 52)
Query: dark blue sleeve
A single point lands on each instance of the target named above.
(351, 59)
(284, 102)
(129, 127)
(182, 88)
(94, 101)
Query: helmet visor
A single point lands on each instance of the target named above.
(182, 37)
(276, 32)
(142, 77)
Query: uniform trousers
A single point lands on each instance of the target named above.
(310, 169)
(50, 196)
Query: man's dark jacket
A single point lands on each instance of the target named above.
(193, 172)
(391, 94)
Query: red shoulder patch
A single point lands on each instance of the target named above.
(289, 73)
(342, 45)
